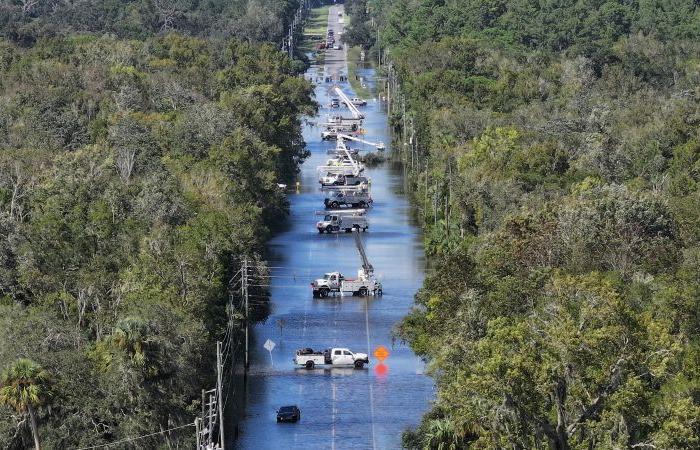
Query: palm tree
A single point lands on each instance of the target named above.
(130, 336)
(24, 387)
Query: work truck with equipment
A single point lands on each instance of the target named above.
(336, 283)
(343, 221)
(340, 181)
(350, 198)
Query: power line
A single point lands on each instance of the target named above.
(137, 437)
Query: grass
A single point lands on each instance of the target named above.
(317, 23)
(315, 31)
(353, 63)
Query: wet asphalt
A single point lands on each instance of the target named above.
(341, 407)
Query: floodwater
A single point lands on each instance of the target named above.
(340, 407)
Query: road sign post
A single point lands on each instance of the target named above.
(269, 346)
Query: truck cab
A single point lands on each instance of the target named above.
(344, 357)
(331, 281)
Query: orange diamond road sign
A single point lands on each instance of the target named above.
(381, 353)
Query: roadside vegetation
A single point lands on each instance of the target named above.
(134, 174)
(354, 62)
(555, 164)
(314, 32)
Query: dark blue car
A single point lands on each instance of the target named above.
(288, 414)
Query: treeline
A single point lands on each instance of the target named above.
(134, 175)
(25, 21)
(554, 158)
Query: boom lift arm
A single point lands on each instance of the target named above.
(378, 145)
(353, 109)
(366, 266)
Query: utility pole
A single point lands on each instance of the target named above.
(220, 390)
(244, 288)
(198, 431)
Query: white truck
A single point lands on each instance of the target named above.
(329, 135)
(335, 283)
(341, 180)
(337, 199)
(335, 223)
(334, 357)
(358, 101)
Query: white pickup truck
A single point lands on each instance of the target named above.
(335, 357)
(335, 223)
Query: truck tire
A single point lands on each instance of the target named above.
(329, 229)
(323, 293)
(363, 291)
(362, 204)
(379, 292)
(310, 365)
(359, 364)
(335, 205)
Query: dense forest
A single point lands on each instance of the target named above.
(554, 159)
(254, 20)
(137, 165)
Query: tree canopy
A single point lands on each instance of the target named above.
(552, 152)
(138, 164)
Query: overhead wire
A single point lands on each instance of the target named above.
(136, 438)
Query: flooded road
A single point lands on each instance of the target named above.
(342, 407)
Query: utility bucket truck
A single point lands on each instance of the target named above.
(334, 357)
(336, 283)
(348, 102)
(340, 181)
(343, 164)
(342, 221)
(342, 198)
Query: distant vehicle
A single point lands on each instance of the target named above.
(288, 414)
(358, 101)
(335, 103)
(348, 199)
(338, 179)
(353, 151)
(329, 135)
(336, 357)
(337, 47)
(336, 223)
